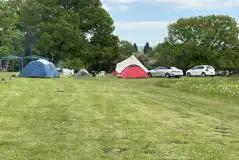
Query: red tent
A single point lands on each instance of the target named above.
(133, 71)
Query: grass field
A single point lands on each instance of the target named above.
(68, 119)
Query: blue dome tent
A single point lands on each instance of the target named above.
(40, 69)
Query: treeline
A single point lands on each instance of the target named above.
(80, 33)
(197, 40)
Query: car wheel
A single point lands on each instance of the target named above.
(150, 75)
(167, 75)
(204, 74)
(189, 74)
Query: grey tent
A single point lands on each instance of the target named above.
(83, 73)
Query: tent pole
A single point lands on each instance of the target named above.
(13, 65)
(22, 63)
(7, 65)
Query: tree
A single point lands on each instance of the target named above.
(59, 41)
(204, 40)
(212, 31)
(75, 64)
(147, 49)
(135, 48)
(11, 37)
(68, 30)
(164, 54)
(125, 49)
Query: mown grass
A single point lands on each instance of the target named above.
(7, 74)
(116, 119)
(221, 87)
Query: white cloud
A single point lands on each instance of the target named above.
(141, 25)
(119, 1)
(142, 31)
(123, 8)
(185, 3)
(107, 7)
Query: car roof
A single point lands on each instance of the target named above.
(200, 66)
(203, 66)
(164, 67)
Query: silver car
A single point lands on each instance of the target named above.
(166, 72)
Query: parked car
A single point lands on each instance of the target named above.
(166, 72)
(202, 70)
(224, 73)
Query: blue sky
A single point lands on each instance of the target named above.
(140, 21)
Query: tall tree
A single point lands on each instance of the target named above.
(136, 48)
(147, 48)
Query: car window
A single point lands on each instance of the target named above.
(201, 67)
(196, 67)
(158, 68)
(210, 67)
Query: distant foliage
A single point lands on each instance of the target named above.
(147, 49)
(75, 64)
(201, 40)
(126, 49)
(136, 48)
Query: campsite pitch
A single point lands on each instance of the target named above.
(72, 119)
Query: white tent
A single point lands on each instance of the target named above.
(128, 62)
(68, 72)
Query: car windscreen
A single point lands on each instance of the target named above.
(196, 67)
(210, 67)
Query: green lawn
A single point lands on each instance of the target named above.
(68, 119)
(7, 74)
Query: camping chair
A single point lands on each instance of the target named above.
(4, 68)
